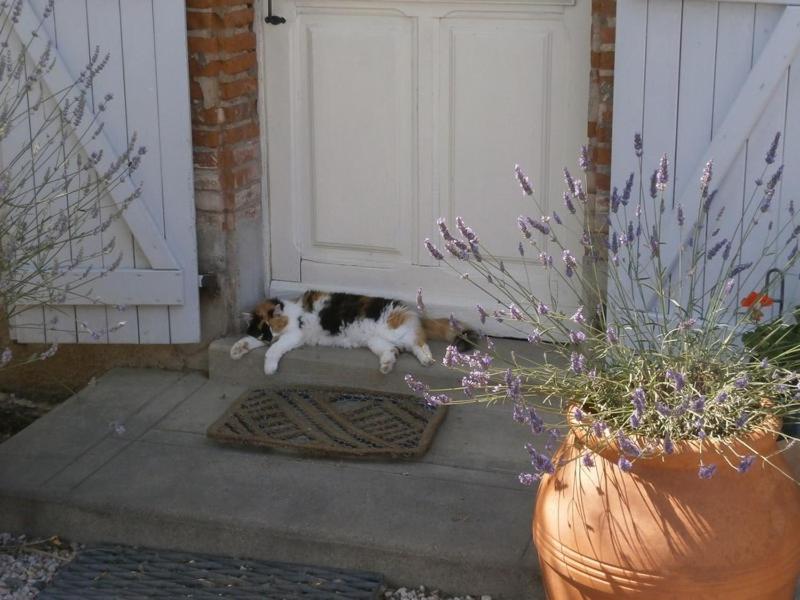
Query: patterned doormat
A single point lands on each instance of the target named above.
(329, 421)
(127, 573)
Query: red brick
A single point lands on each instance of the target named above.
(202, 20)
(235, 89)
(199, 68)
(239, 42)
(248, 131)
(203, 44)
(602, 156)
(240, 112)
(606, 60)
(608, 35)
(240, 63)
(206, 158)
(238, 18)
(205, 138)
(602, 182)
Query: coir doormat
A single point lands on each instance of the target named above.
(327, 421)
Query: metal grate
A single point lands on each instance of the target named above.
(127, 573)
(330, 421)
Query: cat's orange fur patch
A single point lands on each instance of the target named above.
(438, 329)
(310, 298)
(264, 310)
(396, 318)
(279, 323)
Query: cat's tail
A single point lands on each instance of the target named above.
(442, 329)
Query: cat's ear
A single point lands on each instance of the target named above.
(247, 316)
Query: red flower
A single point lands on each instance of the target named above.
(754, 300)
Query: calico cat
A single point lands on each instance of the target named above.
(387, 327)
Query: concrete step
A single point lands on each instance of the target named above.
(456, 519)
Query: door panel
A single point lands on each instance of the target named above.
(360, 139)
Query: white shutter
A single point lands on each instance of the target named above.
(155, 288)
(711, 80)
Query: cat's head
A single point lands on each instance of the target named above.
(267, 320)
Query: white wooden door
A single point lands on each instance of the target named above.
(383, 115)
(155, 289)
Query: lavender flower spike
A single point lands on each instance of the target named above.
(415, 385)
(577, 363)
(624, 464)
(482, 313)
(705, 181)
(569, 262)
(739, 268)
(467, 232)
(662, 174)
(523, 227)
(707, 471)
(587, 460)
(524, 182)
(611, 335)
(420, 303)
(434, 251)
(6, 357)
(746, 463)
(773, 149)
(446, 235)
(516, 313)
(637, 144)
(577, 337)
(578, 317)
(569, 181)
(568, 203)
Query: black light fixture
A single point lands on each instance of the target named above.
(273, 19)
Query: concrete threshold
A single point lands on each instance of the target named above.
(127, 461)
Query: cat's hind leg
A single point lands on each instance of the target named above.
(416, 341)
(244, 345)
(386, 351)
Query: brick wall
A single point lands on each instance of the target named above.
(223, 74)
(601, 97)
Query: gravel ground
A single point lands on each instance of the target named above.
(26, 566)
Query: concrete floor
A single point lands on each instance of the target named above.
(127, 460)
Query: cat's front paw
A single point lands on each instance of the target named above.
(270, 367)
(239, 349)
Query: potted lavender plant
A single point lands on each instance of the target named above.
(668, 481)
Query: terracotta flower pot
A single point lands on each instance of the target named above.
(660, 532)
